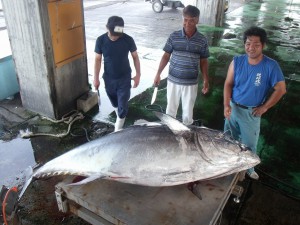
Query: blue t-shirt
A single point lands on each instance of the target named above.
(115, 54)
(185, 56)
(253, 82)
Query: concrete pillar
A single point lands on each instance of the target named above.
(48, 46)
(211, 12)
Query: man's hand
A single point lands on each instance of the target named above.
(136, 81)
(205, 88)
(227, 112)
(259, 111)
(96, 84)
(156, 80)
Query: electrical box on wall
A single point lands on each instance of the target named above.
(66, 30)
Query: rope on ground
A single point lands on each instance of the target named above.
(68, 118)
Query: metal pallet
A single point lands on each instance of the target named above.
(107, 202)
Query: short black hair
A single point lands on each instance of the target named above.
(112, 22)
(191, 11)
(256, 31)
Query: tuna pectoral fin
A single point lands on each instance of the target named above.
(28, 179)
(25, 186)
(87, 180)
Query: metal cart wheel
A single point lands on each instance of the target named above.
(157, 6)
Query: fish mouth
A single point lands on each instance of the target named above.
(250, 159)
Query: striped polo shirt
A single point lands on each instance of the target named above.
(185, 56)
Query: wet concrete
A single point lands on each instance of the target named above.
(268, 201)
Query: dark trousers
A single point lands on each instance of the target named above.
(118, 92)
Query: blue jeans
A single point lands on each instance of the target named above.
(244, 127)
(118, 92)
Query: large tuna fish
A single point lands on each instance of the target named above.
(154, 155)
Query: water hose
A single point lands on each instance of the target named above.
(15, 189)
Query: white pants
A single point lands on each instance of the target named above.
(188, 95)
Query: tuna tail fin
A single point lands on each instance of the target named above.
(175, 126)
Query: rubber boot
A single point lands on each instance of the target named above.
(119, 123)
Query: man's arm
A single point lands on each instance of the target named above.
(97, 68)
(279, 91)
(163, 62)
(228, 85)
(136, 62)
(204, 71)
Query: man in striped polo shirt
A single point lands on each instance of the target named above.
(187, 50)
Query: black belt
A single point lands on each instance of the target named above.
(242, 106)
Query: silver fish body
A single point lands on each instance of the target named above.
(154, 155)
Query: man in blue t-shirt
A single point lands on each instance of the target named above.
(187, 50)
(115, 46)
(250, 78)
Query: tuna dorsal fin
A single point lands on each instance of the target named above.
(175, 126)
